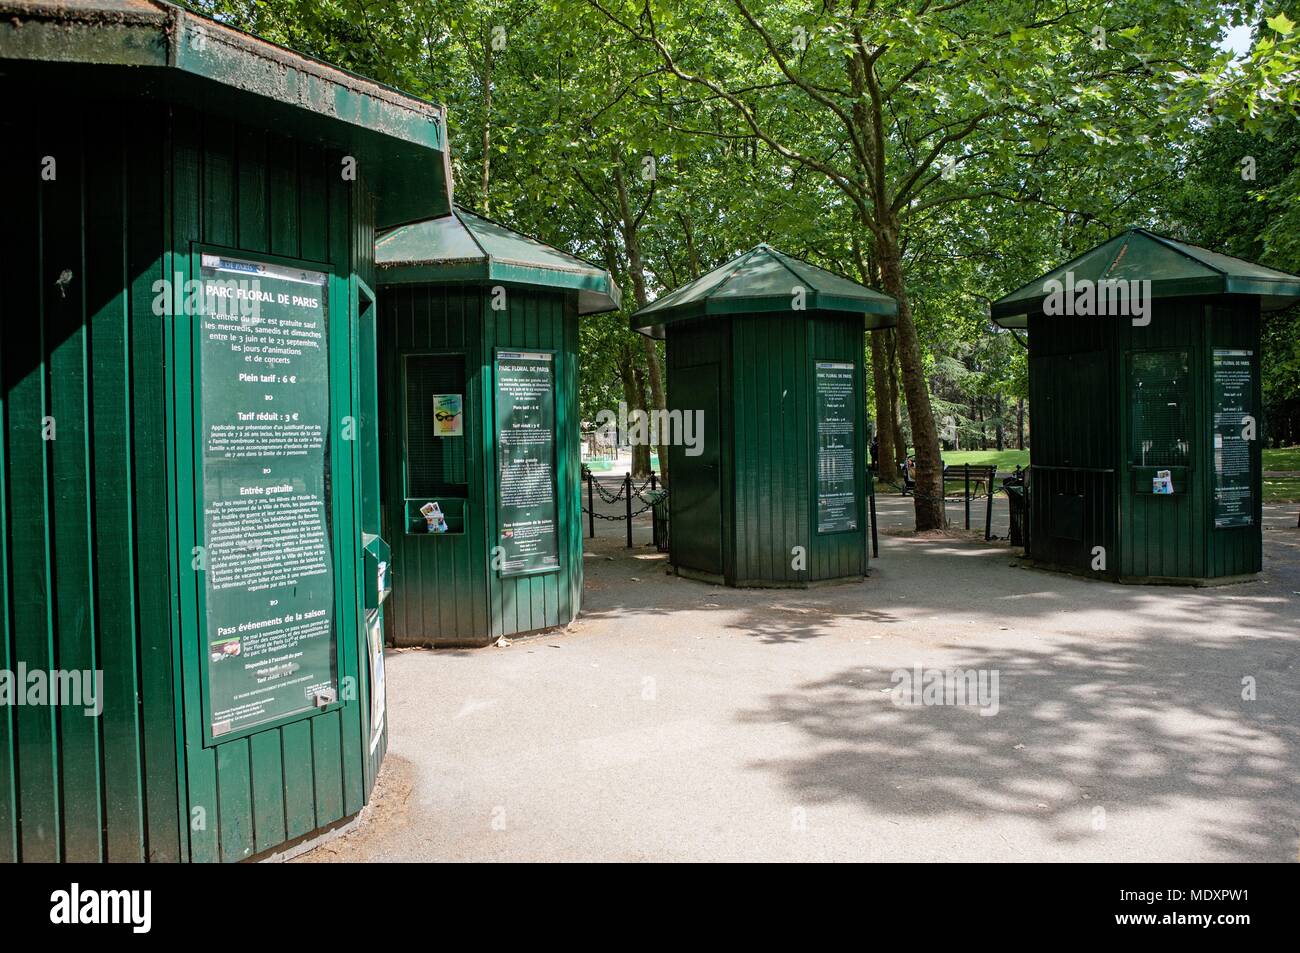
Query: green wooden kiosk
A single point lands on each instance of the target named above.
(767, 352)
(189, 502)
(478, 344)
(1145, 459)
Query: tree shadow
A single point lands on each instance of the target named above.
(1121, 725)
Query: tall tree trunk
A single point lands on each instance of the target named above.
(895, 418)
(641, 451)
(1020, 424)
(634, 395)
(928, 498)
(486, 83)
(882, 379)
(636, 270)
(886, 426)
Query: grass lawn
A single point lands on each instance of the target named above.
(1281, 489)
(1283, 458)
(1005, 459)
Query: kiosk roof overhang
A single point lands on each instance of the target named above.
(1175, 270)
(763, 280)
(156, 50)
(464, 247)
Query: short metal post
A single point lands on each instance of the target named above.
(871, 501)
(627, 487)
(988, 512)
(591, 503)
(966, 472)
(653, 484)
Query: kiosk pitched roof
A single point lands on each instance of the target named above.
(156, 49)
(1175, 269)
(466, 247)
(763, 279)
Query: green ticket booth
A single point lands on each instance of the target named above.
(478, 375)
(189, 502)
(767, 468)
(1144, 385)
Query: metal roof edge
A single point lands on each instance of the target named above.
(173, 37)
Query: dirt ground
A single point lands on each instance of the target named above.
(677, 720)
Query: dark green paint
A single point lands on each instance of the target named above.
(1090, 487)
(751, 510)
(464, 247)
(99, 527)
(444, 588)
(750, 498)
(764, 280)
(1175, 270)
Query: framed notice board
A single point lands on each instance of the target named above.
(1232, 403)
(836, 471)
(270, 646)
(527, 533)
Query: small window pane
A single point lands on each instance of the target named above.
(435, 466)
(1161, 395)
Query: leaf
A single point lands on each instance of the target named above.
(1281, 24)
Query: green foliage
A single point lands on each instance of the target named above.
(1001, 136)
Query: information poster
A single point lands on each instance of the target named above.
(448, 415)
(525, 422)
(264, 371)
(1233, 389)
(837, 502)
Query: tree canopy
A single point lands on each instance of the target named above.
(944, 151)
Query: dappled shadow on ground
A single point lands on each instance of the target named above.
(1127, 699)
(1121, 725)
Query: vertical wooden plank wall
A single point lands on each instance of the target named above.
(84, 555)
(1165, 537)
(440, 588)
(773, 444)
(261, 194)
(443, 589)
(1074, 378)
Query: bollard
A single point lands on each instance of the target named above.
(627, 486)
(591, 504)
(871, 499)
(988, 511)
(653, 484)
(966, 471)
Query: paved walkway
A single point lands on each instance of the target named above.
(682, 721)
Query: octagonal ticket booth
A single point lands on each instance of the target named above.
(1144, 384)
(188, 512)
(480, 456)
(765, 371)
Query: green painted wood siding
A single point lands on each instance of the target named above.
(255, 192)
(444, 592)
(99, 525)
(1080, 381)
(768, 465)
(83, 559)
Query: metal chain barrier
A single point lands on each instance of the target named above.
(626, 492)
